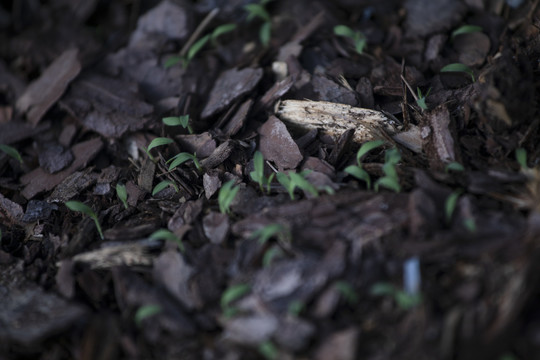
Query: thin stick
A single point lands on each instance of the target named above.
(211, 15)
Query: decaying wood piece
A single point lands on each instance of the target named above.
(334, 119)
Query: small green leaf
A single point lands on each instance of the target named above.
(176, 120)
(392, 156)
(347, 291)
(450, 205)
(286, 182)
(360, 43)
(383, 289)
(406, 301)
(521, 157)
(233, 293)
(268, 350)
(173, 60)
(454, 166)
(458, 67)
(195, 48)
(367, 147)
(359, 173)
(265, 33)
(226, 196)
(145, 312)
(11, 151)
(162, 185)
(267, 232)
(181, 158)
(85, 209)
(258, 174)
(466, 29)
(389, 183)
(270, 254)
(257, 10)
(222, 29)
(160, 141)
(470, 224)
(299, 181)
(121, 192)
(421, 102)
(169, 236)
(343, 30)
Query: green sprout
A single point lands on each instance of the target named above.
(269, 231)
(356, 170)
(11, 151)
(450, 205)
(230, 295)
(160, 141)
(404, 300)
(85, 209)
(121, 192)
(458, 67)
(178, 121)
(358, 38)
(470, 224)
(390, 180)
(521, 158)
(162, 185)
(169, 236)
(198, 45)
(421, 102)
(181, 158)
(258, 174)
(270, 254)
(454, 166)
(347, 291)
(466, 29)
(259, 11)
(226, 196)
(145, 312)
(268, 350)
(293, 180)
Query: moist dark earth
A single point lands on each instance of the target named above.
(443, 264)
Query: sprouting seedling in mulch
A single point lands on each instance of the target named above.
(356, 170)
(293, 180)
(390, 180)
(268, 350)
(233, 293)
(271, 254)
(450, 205)
(259, 11)
(168, 235)
(182, 121)
(181, 158)
(11, 151)
(269, 231)
(198, 45)
(160, 141)
(421, 101)
(521, 158)
(226, 196)
(347, 291)
(162, 185)
(85, 209)
(466, 29)
(146, 311)
(258, 174)
(121, 192)
(458, 67)
(454, 166)
(404, 300)
(358, 38)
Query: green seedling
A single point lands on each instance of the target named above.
(521, 158)
(454, 166)
(162, 185)
(404, 300)
(356, 170)
(259, 11)
(390, 180)
(160, 141)
(421, 102)
(271, 254)
(198, 45)
(296, 307)
(258, 174)
(358, 38)
(470, 224)
(268, 350)
(121, 192)
(347, 291)
(230, 295)
(269, 231)
(294, 180)
(450, 205)
(11, 151)
(146, 311)
(466, 29)
(226, 196)
(168, 235)
(182, 121)
(85, 209)
(181, 158)
(458, 67)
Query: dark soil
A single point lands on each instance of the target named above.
(84, 87)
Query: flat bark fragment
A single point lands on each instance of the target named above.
(49, 87)
(277, 145)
